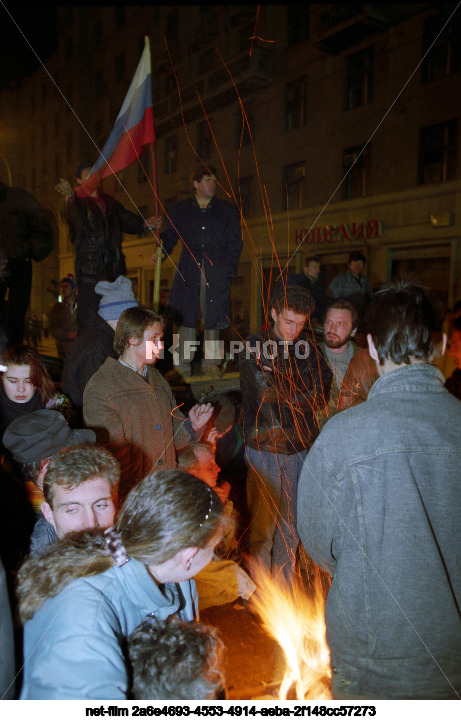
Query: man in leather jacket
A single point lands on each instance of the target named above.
(285, 381)
(97, 223)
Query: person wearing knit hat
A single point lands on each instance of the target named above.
(62, 317)
(33, 440)
(96, 342)
(116, 297)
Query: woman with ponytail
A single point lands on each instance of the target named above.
(83, 597)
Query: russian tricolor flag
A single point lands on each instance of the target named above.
(134, 127)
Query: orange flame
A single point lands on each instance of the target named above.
(296, 621)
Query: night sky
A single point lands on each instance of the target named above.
(38, 24)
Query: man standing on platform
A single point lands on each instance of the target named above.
(212, 242)
(96, 223)
(25, 235)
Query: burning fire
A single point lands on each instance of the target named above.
(296, 621)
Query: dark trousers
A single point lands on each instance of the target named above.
(87, 303)
(18, 282)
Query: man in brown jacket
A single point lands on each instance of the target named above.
(130, 406)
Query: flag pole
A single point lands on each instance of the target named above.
(158, 250)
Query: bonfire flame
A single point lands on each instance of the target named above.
(295, 619)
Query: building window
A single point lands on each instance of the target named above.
(295, 176)
(119, 69)
(444, 57)
(204, 140)
(295, 104)
(245, 37)
(171, 154)
(245, 126)
(437, 153)
(297, 23)
(244, 192)
(359, 78)
(356, 171)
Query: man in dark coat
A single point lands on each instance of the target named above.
(309, 279)
(96, 225)
(25, 235)
(212, 242)
(96, 343)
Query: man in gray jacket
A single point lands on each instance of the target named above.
(378, 508)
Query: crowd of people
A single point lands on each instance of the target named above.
(120, 510)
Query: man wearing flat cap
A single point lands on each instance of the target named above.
(34, 441)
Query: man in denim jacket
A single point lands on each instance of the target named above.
(379, 503)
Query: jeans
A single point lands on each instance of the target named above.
(272, 484)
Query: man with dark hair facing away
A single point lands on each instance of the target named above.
(285, 382)
(378, 509)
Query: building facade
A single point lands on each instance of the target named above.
(333, 128)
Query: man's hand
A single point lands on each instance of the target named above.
(152, 222)
(199, 415)
(64, 188)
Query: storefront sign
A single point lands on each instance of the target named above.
(336, 233)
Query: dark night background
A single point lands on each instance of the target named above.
(38, 23)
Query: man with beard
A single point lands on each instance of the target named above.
(338, 348)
